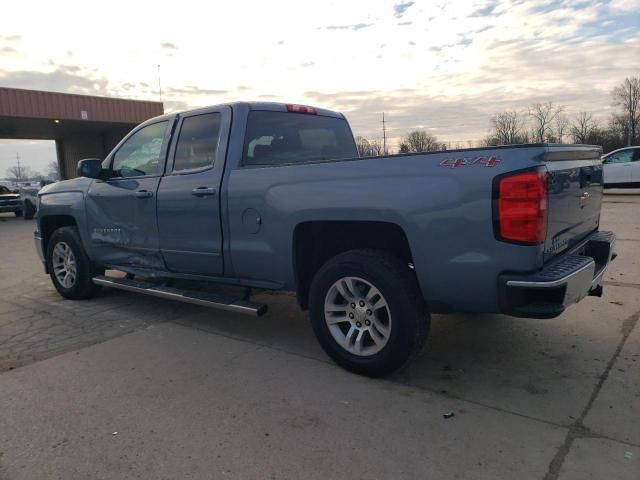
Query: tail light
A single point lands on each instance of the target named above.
(301, 109)
(522, 201)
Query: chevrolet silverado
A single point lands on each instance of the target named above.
(274, 196)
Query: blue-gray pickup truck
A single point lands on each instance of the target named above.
(274, 196)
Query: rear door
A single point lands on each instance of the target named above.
(189, 194)
(618, 167)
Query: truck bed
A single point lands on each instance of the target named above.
(441, 200)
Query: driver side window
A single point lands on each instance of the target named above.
(140, 154)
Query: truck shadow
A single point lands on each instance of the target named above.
(543, 369)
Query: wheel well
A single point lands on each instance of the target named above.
(50, 224)
(316, 242)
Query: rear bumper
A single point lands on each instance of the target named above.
(561, 283)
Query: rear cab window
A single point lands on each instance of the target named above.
(285, 138)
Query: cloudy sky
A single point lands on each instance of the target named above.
(445, 66)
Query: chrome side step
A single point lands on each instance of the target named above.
(205, 299)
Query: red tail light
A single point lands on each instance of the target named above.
(301, 109)
(522, 207)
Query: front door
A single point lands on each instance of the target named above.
(121, 211)
(189, 220)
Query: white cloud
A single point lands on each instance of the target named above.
(445, 65)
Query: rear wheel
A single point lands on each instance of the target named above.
(367, 311)
(70, 268)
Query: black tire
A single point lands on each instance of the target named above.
(83, 287)
(18, 213)
(29, 211)
(398, 285)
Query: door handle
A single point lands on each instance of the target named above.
(202, 191)
(144, 194)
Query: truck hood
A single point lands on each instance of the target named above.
(80, 184)
(9, 196)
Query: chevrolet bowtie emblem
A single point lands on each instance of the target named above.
(583, 199)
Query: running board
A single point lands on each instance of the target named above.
(205, 299)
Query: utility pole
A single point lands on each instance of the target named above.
(629, 139)
(19, 172)
(384, 135)
(159, 85)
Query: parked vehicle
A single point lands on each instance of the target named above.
(273, 196)
(10, 201)
(29, 196)
(622, 168)
(8, 184)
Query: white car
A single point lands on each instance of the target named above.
(622, 168)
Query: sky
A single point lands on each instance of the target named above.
(442, 66)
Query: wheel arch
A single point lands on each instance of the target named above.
(50, 224)
(314, 242)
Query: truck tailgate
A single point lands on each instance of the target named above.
(575, 194)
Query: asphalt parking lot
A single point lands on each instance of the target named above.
(126, 386)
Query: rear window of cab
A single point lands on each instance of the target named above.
(285, 138)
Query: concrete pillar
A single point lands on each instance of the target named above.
(75, 147)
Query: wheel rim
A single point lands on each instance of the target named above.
(358, 316)
(64, 265)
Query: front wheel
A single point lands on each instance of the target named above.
(69, 267)
(367, 311)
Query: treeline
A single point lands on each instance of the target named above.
(541, 123)
(21, 173)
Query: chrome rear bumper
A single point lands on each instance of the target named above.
(561, 283)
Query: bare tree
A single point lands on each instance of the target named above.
(369, 148)
(619, 127)
(507, 128)
(561, 127)
(403, 148)
(53, 170)
(377, 149)
(582, 127)
(364, 147)
(543, 116)
(18, 173)
(421, 141)
(627, 96)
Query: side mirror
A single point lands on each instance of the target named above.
(90, 167)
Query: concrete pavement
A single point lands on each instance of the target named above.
(196, 393)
